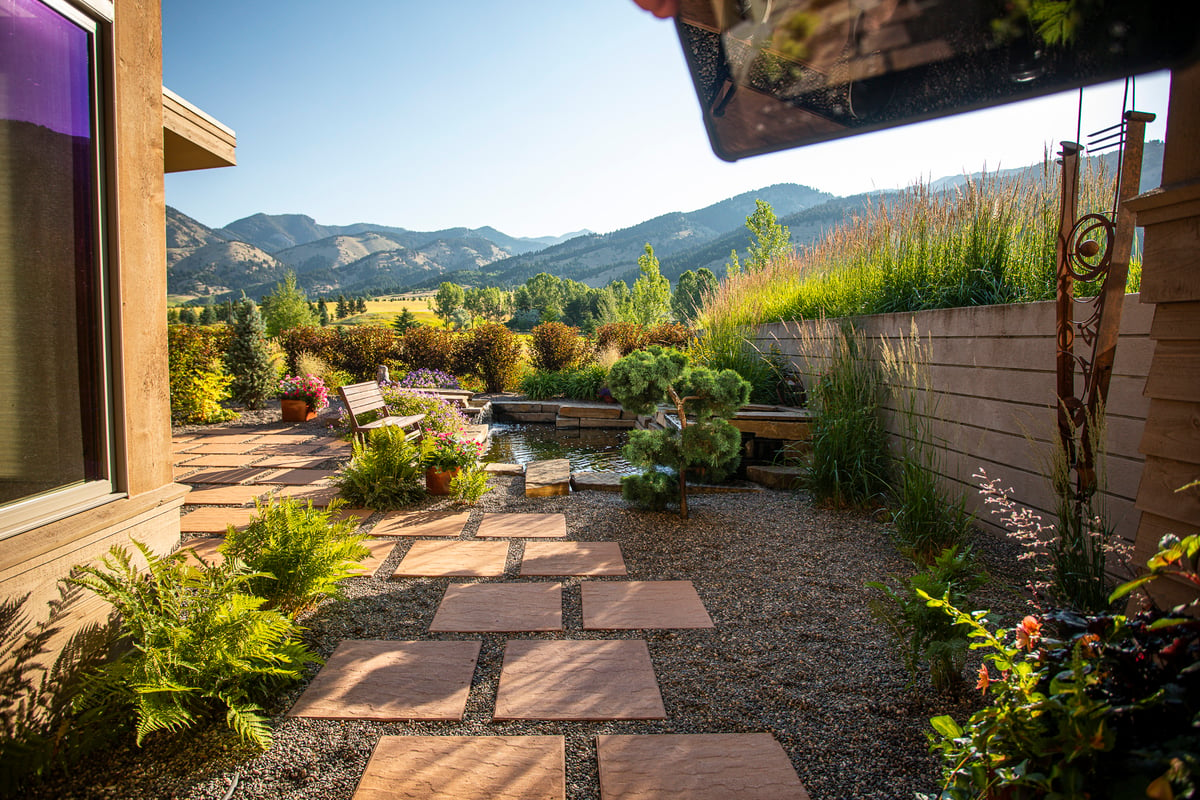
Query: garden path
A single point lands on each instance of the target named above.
(556, 679)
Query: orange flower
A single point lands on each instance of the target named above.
(1028, 632)
(1089, 645)
(985, 679)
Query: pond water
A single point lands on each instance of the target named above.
(590, 449)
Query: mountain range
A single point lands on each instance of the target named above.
(254, 253)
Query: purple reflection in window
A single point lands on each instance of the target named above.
(45, 61)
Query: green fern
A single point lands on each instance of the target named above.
(384, 474)
(299, 553)
(201, 643)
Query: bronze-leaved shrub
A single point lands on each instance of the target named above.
(493, 352)
(556, 346)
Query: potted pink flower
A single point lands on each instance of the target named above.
(301, 397)
(443, 455)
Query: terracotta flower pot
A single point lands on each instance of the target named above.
(437, 481)
(296, 411)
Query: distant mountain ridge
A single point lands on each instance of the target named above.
(254, 253)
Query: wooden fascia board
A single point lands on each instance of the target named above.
(192, 139)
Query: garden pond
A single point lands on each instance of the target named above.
(595, 450)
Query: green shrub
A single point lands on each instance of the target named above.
(469, 485)
(585, 383)
(556, 347)
(624, 336)
(849, 462)
(493, 352)
(363, 348)
(538, 385)
(298, 553)
(440, 416)
(201, 645)
(198, 381)
(925, 636)
(428, 347)
(385, 474)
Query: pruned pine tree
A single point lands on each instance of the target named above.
(249, 359)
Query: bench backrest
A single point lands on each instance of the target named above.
(361, 398)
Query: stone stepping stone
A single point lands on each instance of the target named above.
(221, 448)
(357, 515)
(421, 523)
(465, 768)
(578, 680)
(224, 495)
(548, 478)
(290, 461)
(630, 605)
(499, 607)
(283, 438)
(429, 559)
(183, 437)
(386, 680)
(296, 477)
(497, 468)
(775, 477)
(205, 547)
(703, 766)
(215, 520)
(178, 472)
(380, 550)
(243, 475)
(596, 481)
(523, 526)
(217, 460)
(330, 445)
(321, 495)
(294, 450)
(573, 558)
(224, 438)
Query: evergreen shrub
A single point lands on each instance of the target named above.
(249, 358)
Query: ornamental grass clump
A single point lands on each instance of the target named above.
(202, 645)
(383, 474)
(299, 554)
(702, 399)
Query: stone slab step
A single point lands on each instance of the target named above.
(548, 478)
(775, 477)
(597, 481)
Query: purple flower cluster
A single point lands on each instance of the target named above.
(428, 379)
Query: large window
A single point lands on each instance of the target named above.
(55, 448)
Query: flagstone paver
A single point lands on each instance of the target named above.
(596, 481)
(628, 605)
(496, 468)
(236, 495)
(243, 475)
(209, 437)
(465, 768)
(578, 680)
(293, 450)
(525, 526)
(320, 494)
(421, 523)
(548, 478)
(284, 438)
(214, 520)
(289, 461)
(499, 607)
(454, 558)
(386, 680)
(358, 515)
(707, 766)
(205, 547)
(380, 550)
(296, 477)
(178, 472)
(218, 460)
(573, 558)
(221, 448)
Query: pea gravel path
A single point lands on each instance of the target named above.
(795, 653)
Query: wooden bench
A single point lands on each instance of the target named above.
(365, 398)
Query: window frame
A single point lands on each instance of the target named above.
(20, 516)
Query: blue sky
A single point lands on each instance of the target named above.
(534, 117)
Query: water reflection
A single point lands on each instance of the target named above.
(587, 448)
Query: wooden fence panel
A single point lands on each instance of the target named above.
(992, 369)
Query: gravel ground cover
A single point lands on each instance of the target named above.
(795, 652)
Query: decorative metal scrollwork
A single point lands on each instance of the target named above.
(1087, 258)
